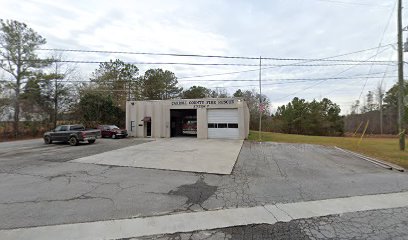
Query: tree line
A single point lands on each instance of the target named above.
(378, 110)
(309, 118)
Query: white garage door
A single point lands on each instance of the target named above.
(223, 123)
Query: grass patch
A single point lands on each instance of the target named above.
(386, 149)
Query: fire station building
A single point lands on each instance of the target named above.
(226, 118)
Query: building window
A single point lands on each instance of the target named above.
(222, 125)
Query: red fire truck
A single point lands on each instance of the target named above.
(190, 125)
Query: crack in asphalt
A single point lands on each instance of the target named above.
(83, 196)
(235, 191)
(80, 197)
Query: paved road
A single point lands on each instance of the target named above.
(40, 187)
(204, 220)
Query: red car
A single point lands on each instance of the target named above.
(112, 131)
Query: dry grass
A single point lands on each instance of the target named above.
(382, 148)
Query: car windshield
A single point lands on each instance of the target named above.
(113, 127)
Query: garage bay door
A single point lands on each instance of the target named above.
(223, 123)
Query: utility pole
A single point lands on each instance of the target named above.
(260, 98)
(381, 113)
(56, 96)
(401, 90)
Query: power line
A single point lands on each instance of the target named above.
(210, 64)
(385, 72)
(293, 80)
(145, 53)
(196, 55)
(233, 72)
(286, 79)
(352, 3)
(326, 79)
(257, 69)
(264, 84)
(379, 44)
(295, 64)
(358, 76)
(232, 86)
(382, 77)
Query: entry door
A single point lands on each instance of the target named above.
(223, 123)
(148, 129)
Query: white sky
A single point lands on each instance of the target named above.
(279, 28)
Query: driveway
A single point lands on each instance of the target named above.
(216, 156)
(41, 186)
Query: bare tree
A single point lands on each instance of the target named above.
(61, 91)
(380, 95)
(355, 107)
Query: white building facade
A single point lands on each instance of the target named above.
(226, 118)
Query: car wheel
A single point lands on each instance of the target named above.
(91, 141)
(47, 140)
(73, 141)
(113, 136)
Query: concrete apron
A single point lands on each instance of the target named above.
(216, 156)
(194, 221)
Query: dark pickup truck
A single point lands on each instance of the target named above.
(73, 134)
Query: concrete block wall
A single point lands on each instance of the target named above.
(159, 111)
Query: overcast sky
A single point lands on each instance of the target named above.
(275, 29)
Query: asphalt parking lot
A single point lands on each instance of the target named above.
(40, 186)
